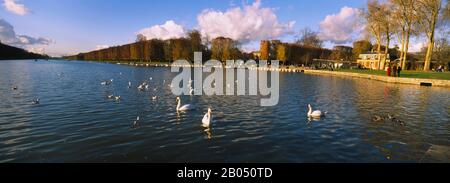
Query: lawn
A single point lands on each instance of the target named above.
(406, 74)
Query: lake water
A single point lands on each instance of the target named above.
(75, 122)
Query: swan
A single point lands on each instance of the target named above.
(191, 91)
(184, 107)
(206, 121)
(314, 114)
(136, 122)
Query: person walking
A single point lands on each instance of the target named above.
(399, 69)
(394, 73)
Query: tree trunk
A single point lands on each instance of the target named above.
(402, 50)
(426, 67)
(379, 54)
(408, 34)
(386, 52)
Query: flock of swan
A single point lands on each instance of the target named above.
(207, 118)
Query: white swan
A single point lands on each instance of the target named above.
(184, 107)
(136, 123)
(314, 114)
(191, 91)
(206, 121)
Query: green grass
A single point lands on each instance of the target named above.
(405, 74)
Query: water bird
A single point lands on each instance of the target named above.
(377, 118)
(110, 96)
(184, 107)
(105, 82)
(206, 121)
(140, 87)
(129, 84)
(154, 98)
(117, 97)
(36, 101)
(14, 88)
(136, 122)
(314, 114)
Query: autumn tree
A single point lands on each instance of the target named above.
(360, 47)
(196, 40)
(264, 50)
(310, 38)
(224, 49)
(282, 52)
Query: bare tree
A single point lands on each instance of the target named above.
(140, 38)
(428, 15)
(404, 15)
(307, 37)
(374, 24)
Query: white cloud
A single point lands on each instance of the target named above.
(249, 23)
(416, 45)
(342, 27)
(14, 7)
(8, 36)
(100, 47)
(36, 49)
(166, 31)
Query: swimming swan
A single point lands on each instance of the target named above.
(314, 114)
(206, 121)
(184, 107)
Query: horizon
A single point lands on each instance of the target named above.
(72, 27)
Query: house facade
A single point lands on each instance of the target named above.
(370, 60)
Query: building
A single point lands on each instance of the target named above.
(370, 60)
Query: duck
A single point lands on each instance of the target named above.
(110, 96)
(314, 114)
(154, 98)
(184, 107)
(117, 97)
(141, 87)
(129, 84)
(36, 101)
(207, 118)
(377, 118)
(14, 88)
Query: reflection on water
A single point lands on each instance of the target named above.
(76, 122)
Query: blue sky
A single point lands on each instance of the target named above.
(80, 25)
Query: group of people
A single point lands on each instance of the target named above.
(395, 71)
(440, 69)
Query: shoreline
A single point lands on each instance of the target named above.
(387, 79)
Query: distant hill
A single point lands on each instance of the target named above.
(12, 53)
